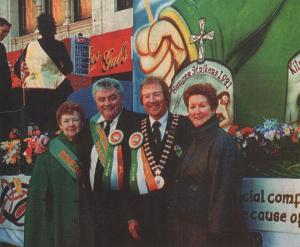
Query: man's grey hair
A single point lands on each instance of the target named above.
(106, 84)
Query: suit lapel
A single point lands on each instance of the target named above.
(121, 121)
(167, 127)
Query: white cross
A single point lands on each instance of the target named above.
(202, 36)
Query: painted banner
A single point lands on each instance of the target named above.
(110, 53)
(143, 17)
(261, 55)
(201, 72)
(272, 204)
(13, 193)
(271, 209)
(292, 111)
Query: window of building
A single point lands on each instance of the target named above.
(27, 16)
(57, 9)
(27, 12)
(123, 4)
(83, 9)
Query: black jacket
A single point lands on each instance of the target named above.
(150, 210)
(110, 208)
(207, 187)
(5, 79)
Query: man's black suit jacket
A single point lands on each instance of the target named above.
(150, 210)
(111, 207)
(5, 79)
(5, 93)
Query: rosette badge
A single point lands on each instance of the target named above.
(136, 140)
(115, 137)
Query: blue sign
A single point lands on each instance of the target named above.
(80, 54)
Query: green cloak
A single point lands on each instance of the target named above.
(57, 211)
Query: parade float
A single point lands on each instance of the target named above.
(248, 52)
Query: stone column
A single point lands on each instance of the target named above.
(67, 12)
(38, 7)
(98, 11)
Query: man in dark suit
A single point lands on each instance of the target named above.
(109, 162)
(162, 133)
(5, 80)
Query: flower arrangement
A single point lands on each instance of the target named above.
(11, 149)
(270, 146)
(268, 136)
(33, 141)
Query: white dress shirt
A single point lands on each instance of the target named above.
(163, 124)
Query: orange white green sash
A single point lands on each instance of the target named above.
(113, 174)
(66, 157)
(99, 138)
(141, 178)
(110, 154)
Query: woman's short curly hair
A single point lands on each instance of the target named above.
(205, 89)
(68, 108)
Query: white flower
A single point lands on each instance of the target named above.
(270, 135)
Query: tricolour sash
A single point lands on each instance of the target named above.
(146, 171)
(99, 138)
(114, 168)
(141, 178)
(43, 72)
(110, 154)
(66, 157)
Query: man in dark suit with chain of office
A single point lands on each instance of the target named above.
(155, 155)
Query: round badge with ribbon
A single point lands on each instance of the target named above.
(136, 140)
(159, 180)
(115, 137)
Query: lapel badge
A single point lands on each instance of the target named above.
(178, 150)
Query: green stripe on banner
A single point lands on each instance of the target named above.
(133, 172)
(97, 139)
(108, 167)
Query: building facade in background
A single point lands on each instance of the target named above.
(106, 24)
(88, 17)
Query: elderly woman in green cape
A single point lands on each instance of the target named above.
(57, 213)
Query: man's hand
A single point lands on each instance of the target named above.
(161, 50)
(133, 226)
